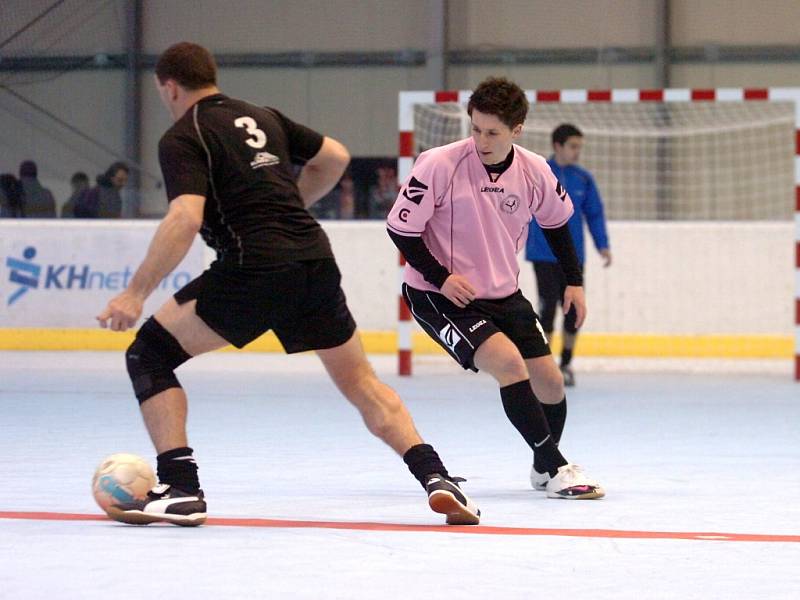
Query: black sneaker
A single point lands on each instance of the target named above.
(569, 376)
(445, 497)
(163, 503)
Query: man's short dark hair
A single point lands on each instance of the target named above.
(190, 65)
(500, 97)
(79, 177)
(563, 132)
(28, 168)
(114, 168)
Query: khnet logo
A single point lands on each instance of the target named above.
(23, 272)
(27, 275)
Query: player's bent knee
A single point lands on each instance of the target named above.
(553, 389)
(152, 359)
(516, 370)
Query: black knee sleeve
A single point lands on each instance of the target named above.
(151, 360)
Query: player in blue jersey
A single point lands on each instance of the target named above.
(579, 183)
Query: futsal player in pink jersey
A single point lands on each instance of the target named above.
(460, 220)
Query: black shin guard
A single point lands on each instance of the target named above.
(525, 412)
(151, 360)
(556, 416)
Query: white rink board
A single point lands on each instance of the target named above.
(75, 267)
(669, 278)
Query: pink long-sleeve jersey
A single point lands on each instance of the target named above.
(472, 225)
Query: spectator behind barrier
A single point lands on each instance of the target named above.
(12, 202)
(80, 188)
(39, 201)
(383, 192)
(339, 203)
(104, 200)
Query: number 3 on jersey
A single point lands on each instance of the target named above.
(259, 139)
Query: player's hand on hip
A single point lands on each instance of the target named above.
(458, 290)
(122, 312)
(574, 296)
(606, 254)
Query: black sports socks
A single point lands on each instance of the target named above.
(526, 414)
(556, 416)
(178, 468)
(566, 357)
(422, 460)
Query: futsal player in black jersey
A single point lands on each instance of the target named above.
(227, 170)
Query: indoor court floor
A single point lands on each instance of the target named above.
(701, 470)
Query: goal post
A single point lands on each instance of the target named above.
(702, 195)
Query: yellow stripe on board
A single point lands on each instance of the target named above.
(385, 342)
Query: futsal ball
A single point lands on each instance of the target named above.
(121, 478)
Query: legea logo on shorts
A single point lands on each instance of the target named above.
(27, 275)
(449, 336)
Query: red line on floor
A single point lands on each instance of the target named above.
(478, 529)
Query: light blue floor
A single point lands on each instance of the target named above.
(273, 438)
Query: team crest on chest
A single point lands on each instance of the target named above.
(510, 204)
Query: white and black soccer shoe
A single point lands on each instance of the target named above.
(445, 497)
(538, 479)
(571, 483)
(163, 503)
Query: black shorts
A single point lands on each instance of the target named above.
(461, 331)
(302, 302)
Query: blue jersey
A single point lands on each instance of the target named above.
(588, 205)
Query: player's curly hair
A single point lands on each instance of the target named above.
(190, 65)
(500, 97)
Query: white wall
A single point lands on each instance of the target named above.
(73, 268)
(666, 278)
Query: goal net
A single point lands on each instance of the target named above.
(699, 194)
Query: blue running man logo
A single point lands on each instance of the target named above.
(25, 273)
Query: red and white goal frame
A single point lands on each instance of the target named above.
(405, 159)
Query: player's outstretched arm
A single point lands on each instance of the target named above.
(171, 242)
(322, 172)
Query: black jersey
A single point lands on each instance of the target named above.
(239, 156)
